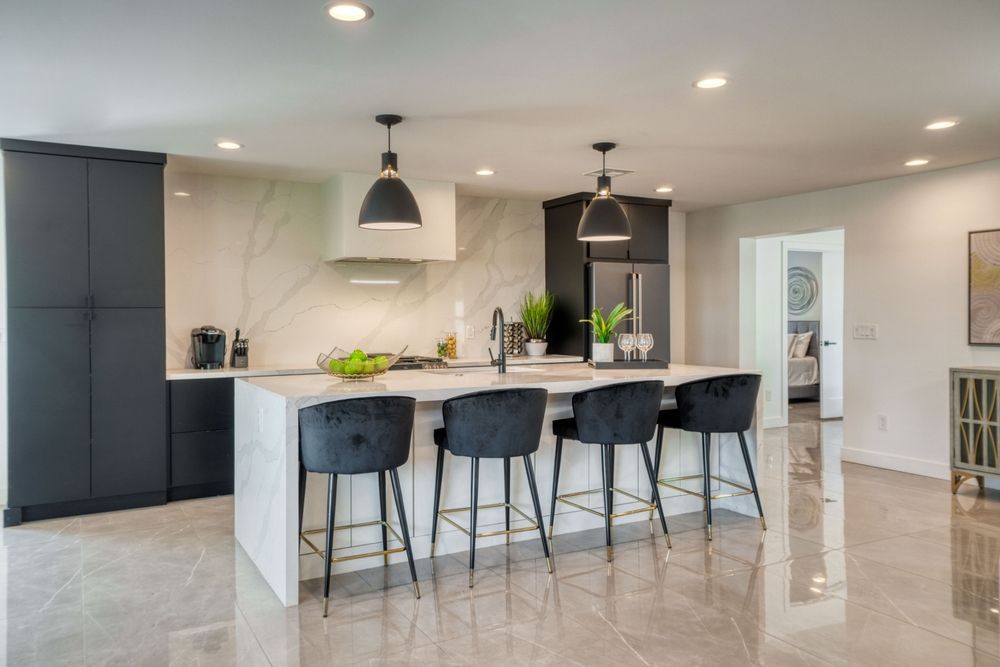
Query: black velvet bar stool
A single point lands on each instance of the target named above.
(497, 424)
(355, 437)
(619, 414)
(724, 404)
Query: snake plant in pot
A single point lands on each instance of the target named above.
(604, 328)
(536, 315)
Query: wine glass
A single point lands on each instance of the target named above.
(644, 342)
(626, 343)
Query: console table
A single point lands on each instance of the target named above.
(975, 424)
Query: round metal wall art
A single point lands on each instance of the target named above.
(803, 288)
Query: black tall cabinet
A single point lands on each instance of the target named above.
(85, 285)
(566, 259)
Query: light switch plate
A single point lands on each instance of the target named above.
(866, 331)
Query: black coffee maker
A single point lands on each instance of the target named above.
(209, 345)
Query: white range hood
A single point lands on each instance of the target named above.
(346, 242)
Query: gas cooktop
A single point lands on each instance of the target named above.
(417, 363)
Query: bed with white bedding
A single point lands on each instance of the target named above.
(803, 363)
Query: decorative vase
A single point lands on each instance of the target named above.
(535, 348)
(601, 352)
(513, 338)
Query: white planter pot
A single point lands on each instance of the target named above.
(603, 352)
(535, 348)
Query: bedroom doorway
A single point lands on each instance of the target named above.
(814, 312)
(792, 323)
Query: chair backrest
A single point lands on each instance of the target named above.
(494, 424)
(357, 435)
(618, 414)
(723, 404)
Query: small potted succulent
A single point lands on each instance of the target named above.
(604, 328)
(536, 315)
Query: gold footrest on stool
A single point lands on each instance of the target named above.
(645, 506)
(368, 554)
(532, 525)
(742, 490)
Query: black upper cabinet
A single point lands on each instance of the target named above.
(649, 241)
(129, 422)
(49, 380)
(126, 234)
(46, 205)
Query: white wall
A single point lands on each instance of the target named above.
(905, 270)
(247, 253)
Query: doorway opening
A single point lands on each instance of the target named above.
(792, 323)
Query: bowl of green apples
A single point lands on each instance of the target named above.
(356, 365)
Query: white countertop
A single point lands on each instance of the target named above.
(279, 370)
(439, 385)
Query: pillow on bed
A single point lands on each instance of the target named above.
(791, 344)
(801, 345)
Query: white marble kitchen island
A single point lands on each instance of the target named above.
(267, 462)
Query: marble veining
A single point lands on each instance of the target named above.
(246, 253)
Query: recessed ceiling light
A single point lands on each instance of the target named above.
(351, 12)
(711, 82)
(819, 579)
(941, 125)
(227, 145)
(665, 188)
(485, 172)
(817, 591)
(917, 162)
(182, 194)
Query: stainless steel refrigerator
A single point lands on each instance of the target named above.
(645, 288)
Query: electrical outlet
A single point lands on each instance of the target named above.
(866, 331)
(470, 331)
(883, 422)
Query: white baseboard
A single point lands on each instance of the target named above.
(896, 462)
(775, 422)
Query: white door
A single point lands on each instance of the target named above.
(831, 347)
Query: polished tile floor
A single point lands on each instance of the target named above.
(860, 566)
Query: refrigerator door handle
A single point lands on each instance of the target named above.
(637, 328)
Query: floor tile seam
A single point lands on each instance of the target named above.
(797, 647)
(916, 574)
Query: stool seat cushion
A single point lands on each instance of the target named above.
(669, 418)
(565, 428)
(356, 436)
(495, 424)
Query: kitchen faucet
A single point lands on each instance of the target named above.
(501, 361)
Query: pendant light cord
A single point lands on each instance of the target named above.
(388, 131)
(604, 163)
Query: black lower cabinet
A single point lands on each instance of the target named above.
(49, 405)
(201, 438)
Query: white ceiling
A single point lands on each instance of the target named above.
(823, 93)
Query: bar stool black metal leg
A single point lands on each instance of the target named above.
(753, 480)
(555, 483)
(506, 496)
(656, 496)
(656, 462)
(397, 496)
(302, 493)
(384, 514)
(533, 487)
(706, 447)
(474, 512)
(608, 501)
(438, 473)
(331, 512)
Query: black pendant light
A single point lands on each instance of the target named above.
(389, 204)
(604, 219)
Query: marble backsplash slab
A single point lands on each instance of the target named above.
(246, 253)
